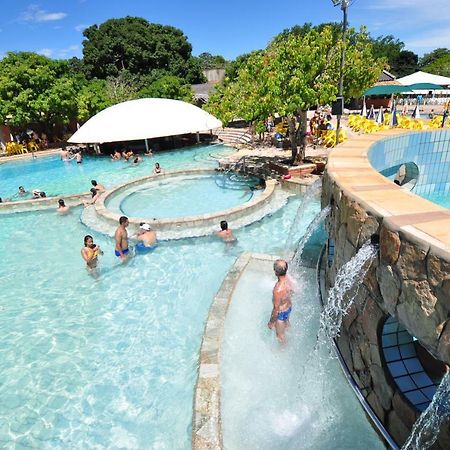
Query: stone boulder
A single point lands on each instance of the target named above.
(389, 246)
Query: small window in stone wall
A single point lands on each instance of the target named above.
(401, 355)
(330, 252)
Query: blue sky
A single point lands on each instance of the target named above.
(229, 28)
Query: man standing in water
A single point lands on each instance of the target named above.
(282, 300)
(121, 238)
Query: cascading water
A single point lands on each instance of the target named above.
(310, 195)
(338, 304)
(426, 429)
(312, 227)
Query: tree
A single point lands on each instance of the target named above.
(387, 47)
(437, 62)
(295, 73)
(36, 89)
(91, 99)
(208, 61)
(122, 88)
(405, 63)
(140, 47)
(436, 54)
(168, 87)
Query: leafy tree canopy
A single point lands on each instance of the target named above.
(168, 86)
(437, 62)
(294, 73)
(36, 89)
(138, 46)
(405, 63)
(387, 47)
(208, 61)
(430, 58)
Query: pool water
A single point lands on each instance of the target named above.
(441, 198)
(107, 361)
(56, 178)
(182, 196)
(294, 397)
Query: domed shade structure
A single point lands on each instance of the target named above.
(144, 118)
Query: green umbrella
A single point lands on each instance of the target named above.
(387, 89)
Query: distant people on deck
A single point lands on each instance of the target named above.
(226, 233)
(62, 207)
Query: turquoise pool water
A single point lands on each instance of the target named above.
(187, 195)
(441, 198)
(291, 398)
(107, 362)
(55, 177)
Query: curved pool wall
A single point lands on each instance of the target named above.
(101, 218)
(429, 150)
(409, 279)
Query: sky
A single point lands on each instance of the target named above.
(228, 28)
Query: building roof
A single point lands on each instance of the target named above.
(144, 119)
(203, 91)
(424, 77)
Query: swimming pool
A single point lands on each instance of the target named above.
(297, 397)
(184, 195)
(110, 361)
(56, 178)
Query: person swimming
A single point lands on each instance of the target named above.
(157, 169)
(225, 233)
(62, 208)
(146, 237)
(90, 252)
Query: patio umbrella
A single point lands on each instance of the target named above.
(380, 116)
(416, 112)
(364, 108)
(394, 121)
(371, 114)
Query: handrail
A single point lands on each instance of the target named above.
(367, 408)
(235, 164)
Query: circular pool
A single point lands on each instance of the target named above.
(184, 195)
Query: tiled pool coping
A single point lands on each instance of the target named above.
(190, 222)
(421, 221)
(206, 417)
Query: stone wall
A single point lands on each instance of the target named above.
(407, 280)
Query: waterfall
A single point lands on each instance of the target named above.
(348, 275)
(311, 192)
(296, 259)
(426, 429)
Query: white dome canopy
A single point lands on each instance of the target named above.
(144, 118)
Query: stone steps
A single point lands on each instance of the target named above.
(234, 136)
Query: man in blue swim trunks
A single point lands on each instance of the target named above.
(121, 238)
(282, 300)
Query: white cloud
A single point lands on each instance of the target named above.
(67, 51)
(81, 27)
(433, 39)
(35, 14)
(45, 51)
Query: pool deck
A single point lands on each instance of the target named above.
(424, 222)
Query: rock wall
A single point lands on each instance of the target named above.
(406, 281)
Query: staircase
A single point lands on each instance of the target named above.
(235, 136)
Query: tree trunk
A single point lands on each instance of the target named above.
(303, 130)
(293, 138)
